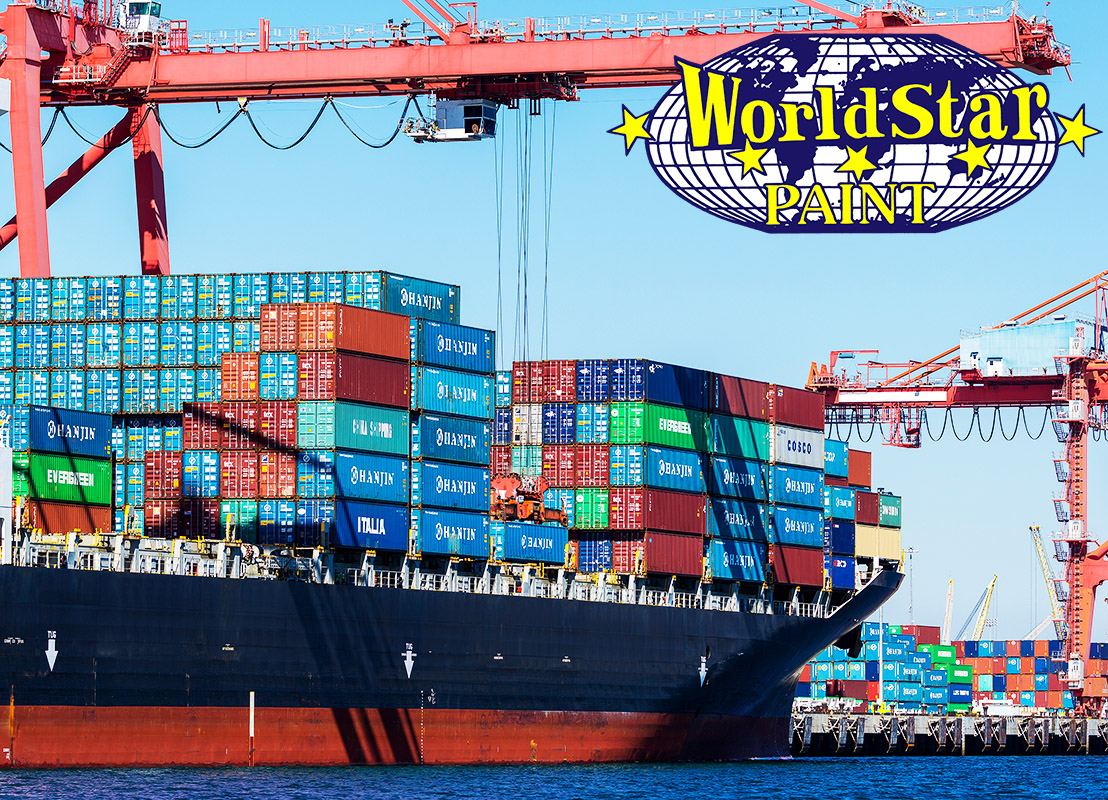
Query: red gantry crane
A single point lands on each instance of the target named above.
(62, 53)
(1069, 379)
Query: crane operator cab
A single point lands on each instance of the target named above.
(142, 22)
(456, 121)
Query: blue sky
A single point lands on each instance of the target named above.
(634, 271)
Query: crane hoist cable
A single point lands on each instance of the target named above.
(498, 188)
(547, 188)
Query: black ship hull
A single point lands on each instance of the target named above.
(108, 669)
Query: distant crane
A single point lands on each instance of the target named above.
(1055, 587)
(949, 612)
(979, 614)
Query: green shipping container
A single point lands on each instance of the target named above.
(21, 484)
(889, 510)
(352, 426)
(315, 426)
(957, 708)
(739, 438)
(625, 421)
(243, 518)
(590, 509)
(527, 459)
(940, 653)
(70, 479)
(957, 673)
(894, 630)
(676, 427)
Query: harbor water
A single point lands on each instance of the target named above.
(1043, 778)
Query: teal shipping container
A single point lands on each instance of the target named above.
(326, 425)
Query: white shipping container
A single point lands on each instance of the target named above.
(797, 446)
(527, 424)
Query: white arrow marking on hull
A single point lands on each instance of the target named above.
(409, 660)
(703, 669)
(51, 652)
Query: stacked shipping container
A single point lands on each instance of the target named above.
(676, 471)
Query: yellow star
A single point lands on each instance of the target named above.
(632, 129)
(857, 162)
(975, 155)
(1075, 130)
(751, 158)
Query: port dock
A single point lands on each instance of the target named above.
(838, 734)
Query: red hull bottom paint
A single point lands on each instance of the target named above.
(68, 736)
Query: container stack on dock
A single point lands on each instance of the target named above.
(669, 470)
(1029, 673)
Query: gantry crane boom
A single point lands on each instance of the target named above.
(949, 612)
(1057, 614)
(64, 53)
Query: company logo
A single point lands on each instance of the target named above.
(456, 346)
(537, 543)
(737, 519)
(371, 525)
(793, 525)
(373, 477)
(424, 301)
(454, 486)
(363, 427)
(852, 133)
(668, 469)
(799, 487)
(454, 532)
(890, 511)
(732, 478)
(738, 560)
(464, 441)
(61, 477)
(461, 394)
(675, 426)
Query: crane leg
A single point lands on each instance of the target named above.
(81, 167)
(23, 66)
(150, 193)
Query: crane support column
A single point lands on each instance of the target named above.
(23, 68)
(150, 192)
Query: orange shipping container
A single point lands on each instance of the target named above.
(1027, 665)
(1054, 699)
(1096, 687)
(1096, 668)
(860, 468)
(279, 328)
(58, 518)
(330, 326)
(240, 376)
(1042, 648)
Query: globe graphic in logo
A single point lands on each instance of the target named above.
(791, 69)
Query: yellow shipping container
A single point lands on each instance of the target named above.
(866, 541)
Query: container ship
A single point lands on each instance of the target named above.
(302, 519)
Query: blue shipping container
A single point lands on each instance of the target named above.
(314, 521)
(592, 423)
(561, 499)
(277, 376)
(736, 477)
(680, 470)
(277, 522)
(839, 537)
(67, 346)
(440, 344)
(15, 422)
(371, 526)
(593, 381)
(104, 298)
(315, 473)
(841, 571)
(835, 458)
(451, 533)
(594, 553)
(365, 476)
(78, 433)
(737, 519)
(559, 423)
(445, 391)
(104, 344)
(734, 560)
(466, 441)
(797, 526)
(136, 484)
(200, 474)
(625, 465)
(209, 385)
(457, 486)
(502, 426)
(798, 486)
(503, 389)
(528, 542)
(413, 296)
(175, 388)
(838, 502)
(655, 382)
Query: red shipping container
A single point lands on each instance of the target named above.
(592, 465)
(347, 376)
(277, 424)
(1012, 648)
(625, 505)
(238, 474)
(855, 690)
(1054, 683)
(559, 465)
(559, 381)
(867, 509)
(501, 460)
(797, 566)
(806, 674)
(330, 326)
(832, 480)
(1041, 700)
(927, 634)
(959, 649)
(738, 397)
(163, 475)
(1000, 665)
(628, 552)
(280, 328)
(674, 554)
(240, 376)
(800, 408)
(677, 512)
(277, 474)
(163, 519)
(859, 468)
(202, 426)
(61, 518)
(527, 382)
(240, 426)
(200, 519)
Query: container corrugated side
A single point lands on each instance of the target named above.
(70, 479)
(367, 476)
(54, 430)
(62, 518)
(415, 297)
(798, 446)
(674, 554)
(737, 437)
(461, 394)
(738, 397)
(839, 537)
(734, 560)
(466, 441)
(450, 486)
(729, 518)
(439, 344)
(527, 424)
(680, 470)
(453, 533)
(889, 511)
(531, 543)
(371, 526)
(836, 458)
(593, 381)
(798, 486)
(838, 502)
(799, 408)
(798, 566)
(738, 478)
